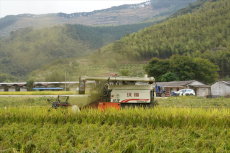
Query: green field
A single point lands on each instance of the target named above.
(173, 126)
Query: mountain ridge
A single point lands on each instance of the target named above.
(118, 15)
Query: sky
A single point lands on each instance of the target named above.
(14, 7)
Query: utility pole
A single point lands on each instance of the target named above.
(65, 79)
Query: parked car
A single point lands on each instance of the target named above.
(185, 92)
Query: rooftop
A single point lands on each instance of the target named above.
(175, 83)
(42, 83)
(226, 82)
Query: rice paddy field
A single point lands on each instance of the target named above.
(181, 124)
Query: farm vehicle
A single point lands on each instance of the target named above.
(114, 92)
(160, 91)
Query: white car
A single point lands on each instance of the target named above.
(185, 92)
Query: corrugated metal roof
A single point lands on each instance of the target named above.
(43, 83)
(12, 84)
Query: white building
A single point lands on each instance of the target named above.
(201, 89)
(221, 88)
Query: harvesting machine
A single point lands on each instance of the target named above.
(117, 92)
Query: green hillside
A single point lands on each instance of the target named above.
(99, 36)
(28, 49)
(192, 7)
(204, 33)
(56, 70)
(174, 11)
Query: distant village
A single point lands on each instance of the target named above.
(218, 89)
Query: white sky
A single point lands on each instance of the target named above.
(14, 7)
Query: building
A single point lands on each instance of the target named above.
(221, 88)
(201, 90)
(45, 86)
(12, 87)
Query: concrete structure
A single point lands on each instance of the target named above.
(11, 89)
(221, 88)
(21, 86)
(73, 89)
(2, 88)
(24, 88)
(201, 90)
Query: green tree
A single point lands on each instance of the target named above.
(189, 68)
(30, 84)
(168, 77)
(205, 71)
(157, 67)
(183, 66)
(6, 77)
(125, 72)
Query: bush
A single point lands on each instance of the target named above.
(30, 84)
(125, 72)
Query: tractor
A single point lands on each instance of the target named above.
(160, 91)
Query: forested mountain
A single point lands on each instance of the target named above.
(9, 20)
(103, 35)
(119, 15)
(204, 33)
(174, 8)
(28, 49)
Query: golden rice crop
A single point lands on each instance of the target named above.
(158, 129)
(155, 117)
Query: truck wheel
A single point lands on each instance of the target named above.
(105, 93)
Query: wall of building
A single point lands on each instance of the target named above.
(200, 92)
(11, 89)
(172, 89)
(221, 89)
(203, 92)
(73, 89)
(2, 89)
(23, 89)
